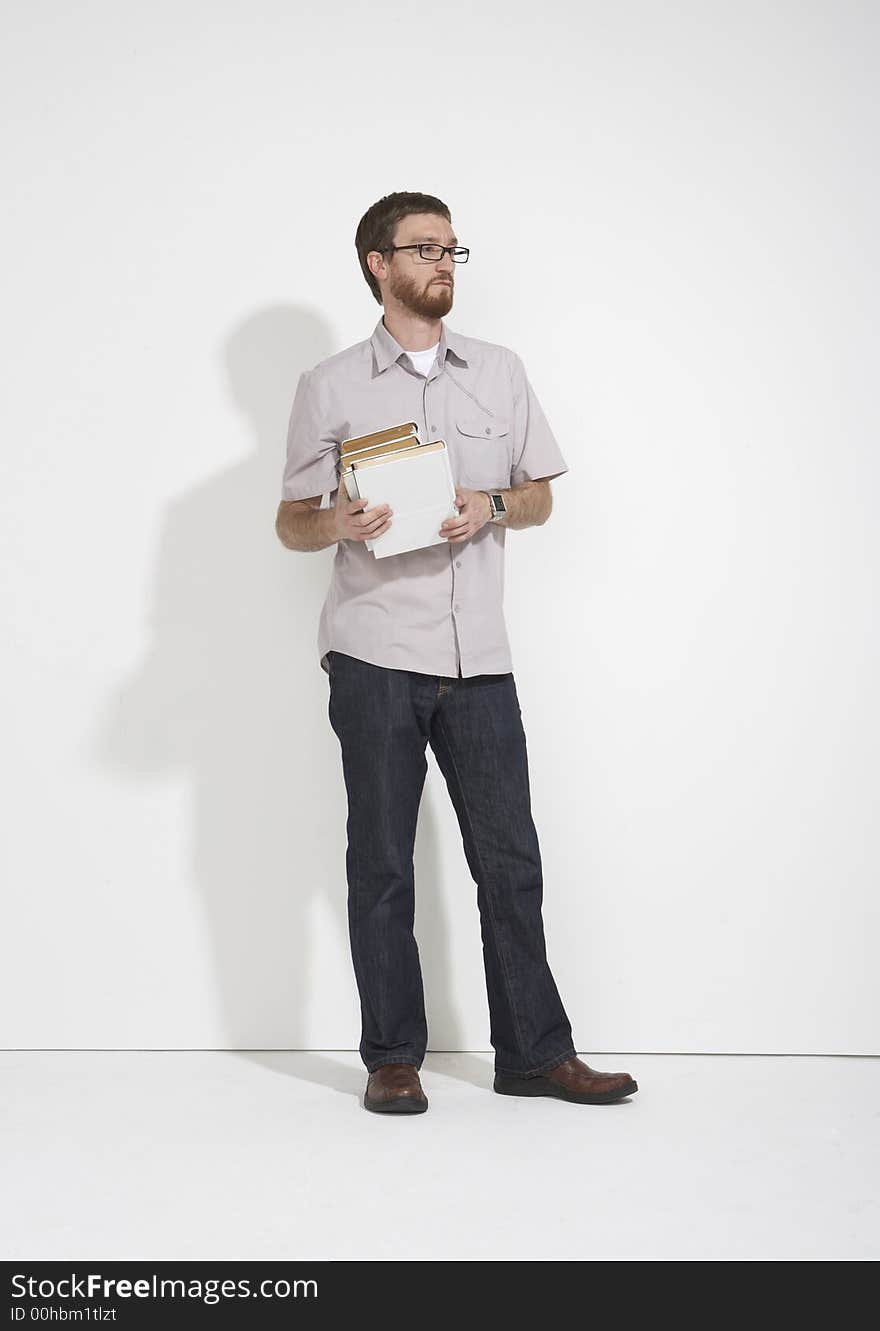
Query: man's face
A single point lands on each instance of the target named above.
(425, 288)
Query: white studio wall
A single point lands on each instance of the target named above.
(672, 218)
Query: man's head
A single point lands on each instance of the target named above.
(403, 278)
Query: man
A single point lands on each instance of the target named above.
(417, 653)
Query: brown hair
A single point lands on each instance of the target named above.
(377, 226)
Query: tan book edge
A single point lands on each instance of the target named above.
(356, 443)
(418, 450)
(376, 450)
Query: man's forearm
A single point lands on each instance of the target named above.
(528, 505)
(304, 529)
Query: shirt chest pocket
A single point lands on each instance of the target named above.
(483, 447)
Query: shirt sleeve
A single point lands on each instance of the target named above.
(536, 454)
(310, 467)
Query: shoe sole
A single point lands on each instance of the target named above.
(505, 1085)
(401, 1104)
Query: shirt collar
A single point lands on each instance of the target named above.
(387, 350)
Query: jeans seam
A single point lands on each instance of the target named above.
(416, 1063)
(489, 901)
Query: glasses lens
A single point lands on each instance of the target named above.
(434, 252)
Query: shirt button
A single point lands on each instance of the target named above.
(458, 607)
(433, 429)
(458, 563)
(488, 429)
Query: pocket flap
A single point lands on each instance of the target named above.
(480, 427)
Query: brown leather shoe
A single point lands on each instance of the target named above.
(572, 1080)
(395, 1089)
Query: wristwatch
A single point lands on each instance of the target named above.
(499, 508)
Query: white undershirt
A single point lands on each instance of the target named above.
(423, 360)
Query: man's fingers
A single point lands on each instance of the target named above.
(367, 521)
(373, 519)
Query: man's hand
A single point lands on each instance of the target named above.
(475, 510)
(355, 523)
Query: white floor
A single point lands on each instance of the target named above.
(243, 1156)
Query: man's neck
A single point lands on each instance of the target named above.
(411, 332)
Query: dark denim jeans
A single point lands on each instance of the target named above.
(384, 718)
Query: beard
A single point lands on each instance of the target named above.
(431, 300)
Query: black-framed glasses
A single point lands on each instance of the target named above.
(433, 253)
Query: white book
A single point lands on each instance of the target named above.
(417, 482)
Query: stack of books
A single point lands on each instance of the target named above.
(394, 466)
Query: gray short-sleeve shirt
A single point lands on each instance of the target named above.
(437, 610)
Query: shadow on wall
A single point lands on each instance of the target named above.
(232, 696)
